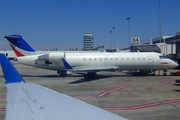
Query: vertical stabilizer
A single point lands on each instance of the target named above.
(20, 46)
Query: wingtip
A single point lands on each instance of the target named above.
(11, 75)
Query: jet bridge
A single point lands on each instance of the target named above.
(145, 48)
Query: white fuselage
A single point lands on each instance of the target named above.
(116, 60)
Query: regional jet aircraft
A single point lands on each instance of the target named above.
(28, 101)
(89, 62)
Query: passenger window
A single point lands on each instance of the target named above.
(127, 59)
(94, 59)
(138, 59)
(100, 59)
(122, 59)
(84, 59)
(89, 59)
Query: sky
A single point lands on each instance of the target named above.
(61, 24)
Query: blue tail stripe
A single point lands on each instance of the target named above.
(20, 43)
(11, 75)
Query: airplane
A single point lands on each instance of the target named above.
(90, 62)
(29, 101)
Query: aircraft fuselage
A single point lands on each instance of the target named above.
(116, 61)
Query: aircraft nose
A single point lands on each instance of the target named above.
(174, 65)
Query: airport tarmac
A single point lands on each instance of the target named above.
(129, 95)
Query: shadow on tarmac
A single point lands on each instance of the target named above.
(97, 77)
(87, 79)
(177, 90)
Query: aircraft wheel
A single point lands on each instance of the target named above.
(165, 74)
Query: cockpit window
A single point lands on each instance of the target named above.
(163, 57)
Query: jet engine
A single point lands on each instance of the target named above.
(52, 57)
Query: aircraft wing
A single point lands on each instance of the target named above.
(94, 68)
(28, 101)
(88, 68)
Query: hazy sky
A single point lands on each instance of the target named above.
(61, 24)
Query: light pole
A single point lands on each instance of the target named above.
(111, 38)
(128, 30)
(160, 19)
(114, 37)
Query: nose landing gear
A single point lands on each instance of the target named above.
(164, 72)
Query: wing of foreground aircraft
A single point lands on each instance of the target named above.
(28, 101)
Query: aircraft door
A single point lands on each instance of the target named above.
(150, 60)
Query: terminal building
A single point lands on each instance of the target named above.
(166, 45)
(88, 41)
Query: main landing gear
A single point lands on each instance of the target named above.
(64, 73)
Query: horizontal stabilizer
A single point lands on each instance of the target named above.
(6, 36)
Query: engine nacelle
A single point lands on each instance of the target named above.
(52, 57)
(56, 57)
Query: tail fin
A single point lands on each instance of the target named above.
(20, 46)
(11, 75)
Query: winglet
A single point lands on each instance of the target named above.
(11, 75)
(66, 64)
